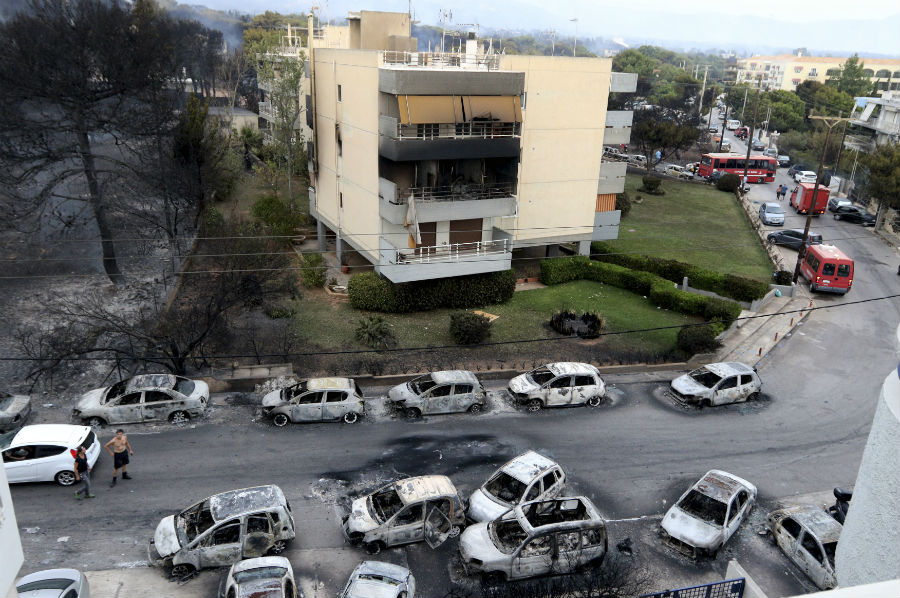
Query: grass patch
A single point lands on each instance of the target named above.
(693, 223)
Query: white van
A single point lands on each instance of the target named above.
(731, 125)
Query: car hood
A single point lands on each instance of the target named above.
(691, 530)
(369, 588)
(91, 399)
(165, 538)
(273, 399)
(201, 389)
(360, 520)
(475, 542)
(261, 588)
(688, 386)
(483, 507)
(522, 383)
(401, 392)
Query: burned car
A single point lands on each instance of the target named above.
(14, 410)
(410, 510)
(315, 400)
(373, 579)
(452, 391)
(222, 530)
(148, 397)
(808, 536)
(528, 477)
(559, 384)
(717, 384)
(537, 538)
(708, 514)
(260, 577)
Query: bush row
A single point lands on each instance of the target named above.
(658, 290)
(372, 292)
(736, 287)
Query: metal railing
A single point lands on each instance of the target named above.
(467, 130)
(441, 60)
(458, 192)
(453, 252)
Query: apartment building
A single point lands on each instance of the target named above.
(787, 71)
(875, 121)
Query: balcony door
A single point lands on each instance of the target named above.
(465, 231)
(428, 232)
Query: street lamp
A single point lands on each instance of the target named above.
(575, 45)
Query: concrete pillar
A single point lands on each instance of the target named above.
(552, 251)
(584, 248)
(339, 249)
(320, 234)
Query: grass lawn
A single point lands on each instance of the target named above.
(693, 223)
(330, 324)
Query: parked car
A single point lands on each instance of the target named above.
(528, 477)
(14, 411)
(409, 510)
(708, 514)
(733, 124)
(715, 176)
(678, 171)
(148, 397)
(793, 238)
(713, 128)
(222, 530)
(260, 577)
(771, 213)
(742, 132)
(373, 579)
(795, 168)
(757, 145)
(809, 537)
(771, 152)
(717, 384)
(549, 536)
(855, 215)
(726, 145)
(46, 452)
(805, 176)
(558, 384)
(837, 202)
(637, 159)
(784, 161)
(613, 153)
(54, 583)
(452, 391)
(315, 400)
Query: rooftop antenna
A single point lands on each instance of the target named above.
(446, 16)
(552, 33)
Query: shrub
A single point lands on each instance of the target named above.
(281, 310)
(312, 270)
(277, 215)
(623, 203)
(728, 182)
(469, 328)
(743, 289)
(721, 310)
(697, 339)
(372, 292)
(587, 325)
(374, 332)
(784, 277)
(651, 185)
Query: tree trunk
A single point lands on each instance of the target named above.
(110, 265)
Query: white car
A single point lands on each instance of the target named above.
(261, 577)
(717, 384)
(678, 171)
(14, 410)
(315, 400)
(708, 514)
(148, 397)
(374, 579)
(54, 583)
(809, 537)
(46, 452)
(558, 384)
(805, 176)
(528, 477)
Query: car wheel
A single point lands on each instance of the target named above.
(65, 478)
(494, 578)
(413, 413)
(278, 547)
(351, 417)
(373, 548)
(595, 401)
(179, 418)
(535, 405)
(706, 403)
(837, 216)
(96, 422)
(476, 408)
(753, 396)
(813, 287)
(182, 570)
(281, 420)
(454, 531)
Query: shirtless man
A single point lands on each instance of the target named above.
(119, 448)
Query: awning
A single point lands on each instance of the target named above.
(429, 109)
(505, 109)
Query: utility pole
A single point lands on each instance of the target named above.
(830, 122)
(702, 91)
(750, 140)
(837, 163)
(575, 45)
(724, 121)
(768, 117)
(746, 89)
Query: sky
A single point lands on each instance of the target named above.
(863, 26)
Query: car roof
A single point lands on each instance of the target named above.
(149, 381)
(720, 485)
(799, 231)
(237, 502)
(527, 466)
(38, 433)
(451, 376)
(728, 368)
(815, 519)
(262, 561)
(420, 488)
(772, 204)
(592, 515)
(329, 383)
(570, 367)
(829, 252)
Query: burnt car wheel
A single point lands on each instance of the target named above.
(494, 578)
(373, 548)
(476, 408)
(65, 478)
(595, 401)
(278, 547)
(179, 418)
(95, 422)
(351, 417)
(753, 396)
(454, 531)
(413, 413)
(182, 570)
(535, 405)
(281, 420)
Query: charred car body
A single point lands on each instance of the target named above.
(373, 579)
(148, 397)
(536, 538)
(557, 385)
(410, 510)
(528, 477)
(14, 411)
(261, 577)
(452, 391)
(717, 384)
(809, 537)
(315, 400)
(222, 530)
(708, 514)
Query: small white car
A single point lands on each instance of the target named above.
(54, 583)
(528, 477)
(717, 384)
(374, 579)
(678, 171)
(260, 577)
(809, 537)
(452, 391)
(46, 452)
(708, 514)
(315, 400)
(805, 176)
(14, 411)
(148, 397)
(559, 384)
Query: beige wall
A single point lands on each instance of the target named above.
(562, 144)
(378, 27)
(789, 64)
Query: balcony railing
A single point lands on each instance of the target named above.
(467, 130)
(453, 252)
(441, 60)
(460, 192)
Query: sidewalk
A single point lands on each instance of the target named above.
(755, 337)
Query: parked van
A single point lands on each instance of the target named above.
(732, 125)
(827, 268)
(802, 198)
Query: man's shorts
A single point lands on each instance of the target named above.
(120, 459)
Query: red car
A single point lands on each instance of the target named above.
(742, 133)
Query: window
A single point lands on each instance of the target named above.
(811, 546)
(868, 73)
(730, 382)
(441, 391)
(795, 81)
(737, 504)
(883, 74)
(21, 453)
(791, 527)
(132, 399)
(258, 523)
(48, 450)
(229, 533)
(549, 479)
(843, 270)
(591, 537)
(462, 389)
(339, 142)
(534, 491)
(410, 515)
(311, 398)
(562, 382)
(798, 69)
(567, 541)
(584, 381)
(746, 379)
(155, 396)
(336, 397)
(828, 269)
(813, 72)
(768, 67)
(341, 199)
(833, 73)
(731, 163)
(536, 547)
(339, 93)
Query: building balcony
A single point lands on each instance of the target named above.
(618, 127)
(611, 178)
(444, 261)
(436, 141)
(437, 204)
(266, 111)
(440, 60)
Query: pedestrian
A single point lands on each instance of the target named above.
(119, 448)
(778, 193)
(83, 474)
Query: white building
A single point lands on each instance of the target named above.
(876, 121)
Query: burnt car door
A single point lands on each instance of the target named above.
(726, 391)
(407, 525)
(438, 526)
(438, 399)
(567, 555)
(811, 558)
(222, 546)
(559, 391)
(336, 404)
(157, 405)
(553, 482)
(746, 386)
(258, 537)
(126, 408)
(463, 396)
(535, 557)
(308, 407)
(737, 510)
(584, 387)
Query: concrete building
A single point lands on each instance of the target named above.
(11, 555)
(438, 164)
(876, 121)
(787, 71)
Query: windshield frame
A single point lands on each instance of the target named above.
(495, 537)
(494, 479)
(253, 574)
(696, 514)
(703, 372)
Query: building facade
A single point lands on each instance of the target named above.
(787, 71)
(875, 121)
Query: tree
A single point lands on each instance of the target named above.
(851, 79)
(824, 100)
(883, 165)
(656, 130)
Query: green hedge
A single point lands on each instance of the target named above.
(658, 290)
(372, 292)
(728, 285)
